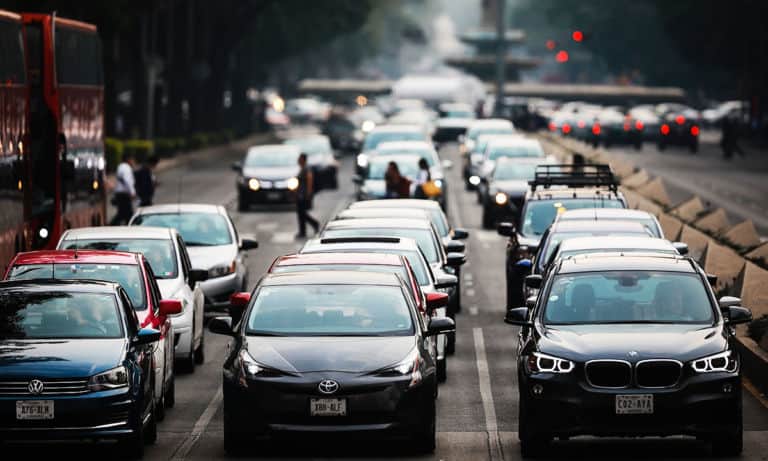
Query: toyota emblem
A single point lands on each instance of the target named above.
(35, 387)
(328, 386)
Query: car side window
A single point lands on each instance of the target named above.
(131, 320)
(153, 288)
(185, 264)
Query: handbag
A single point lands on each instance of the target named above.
(431, 189)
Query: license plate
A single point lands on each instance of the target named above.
(34, 409)
(328, 407)
(635, 404)
(274, 195)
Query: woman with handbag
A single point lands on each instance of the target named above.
(422, 178)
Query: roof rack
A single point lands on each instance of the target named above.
(575, 175)
(360, 240)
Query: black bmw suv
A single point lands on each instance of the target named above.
(628, 345)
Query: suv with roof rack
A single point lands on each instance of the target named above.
(554, 189)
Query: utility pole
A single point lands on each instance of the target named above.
(501, 54)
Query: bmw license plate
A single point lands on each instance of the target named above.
(34, 409)
(328, 407)
(635, 404)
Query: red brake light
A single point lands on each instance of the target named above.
(665, 129)
(566, 128)
(695, 130)
(639, 125)
(577, 35)
(680, 119)
(561, 56)
(552, 126)
(626, 126)
(596, 129)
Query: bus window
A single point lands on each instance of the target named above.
(78, 57)
(11, 54)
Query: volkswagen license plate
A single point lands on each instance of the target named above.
(34, 409)
(635, 404)
(328, 407)
(274, 195)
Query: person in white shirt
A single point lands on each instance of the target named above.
(125, 191)
(422, 177)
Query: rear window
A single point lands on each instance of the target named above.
(160, 254)
(539, 214)
(126, 275)
(385, 269)
(376, 138)
(423, 237)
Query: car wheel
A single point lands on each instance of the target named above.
(532, 443)
(187, 364)
(242, 204)
(160, 407)
(730, 443)
(200, 351)
(662, 146)
(442, 370)
(450, 340)
(334, 181)
(170, 393)
(488, 219)
(424, 440)
(694, 147)
(150, 432)
(234, 442)
(638, 146)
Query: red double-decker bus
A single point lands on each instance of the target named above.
(66, 125)
(13, 128)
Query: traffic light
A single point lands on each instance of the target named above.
(577, 36)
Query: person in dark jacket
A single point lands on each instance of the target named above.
(146, 181)
(304, 193)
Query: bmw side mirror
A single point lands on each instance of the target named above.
(454, 246)
(727, 301)
(460, 234)
(248, 243)
(147, 336)
(196, 276)
(518, 316)
(237, 166)
(530, 302)
(455, 260)
(221, 326)
(170, 307)
(735, 315)
(440, 325)
(533, 281)
(507, 229)
(681, 247)
(446, 281)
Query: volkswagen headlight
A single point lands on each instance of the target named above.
(112, 379)
(727, 361)
(221, 271)
(292, 183)
(543, 363)
(253, 184)
(501, 198)
(408, 366)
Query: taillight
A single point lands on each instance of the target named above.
(665, 129)
(581, 123)
(596, 129)
(552, 126)
(626, 126)
(639, 125)
(680, 119)
(694, 130)
(566, 128)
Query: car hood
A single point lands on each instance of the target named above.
(454, 122)
(374, 187)
(169, 287)
(206, 257)
(511, 187)
(271, 173)
(649, 341)
(59, 358)
(343, 354)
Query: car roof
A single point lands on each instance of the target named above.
(383, 212)
(525, 160)
(329, 258)
(396, 203)
(608, 243)
(331, 278)
(405, 145)
(119, 232)
(393, 157)
(43, 285)
(602, 225)
(77, 256)
(178, 208)
(403, 223)
(490, 123)
(604, 213)
(625, 262)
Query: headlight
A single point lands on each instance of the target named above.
(221, 271)
(112, 379)
(248, 368)
(408, 366)
(543, 363)
(474, 180)
(362, 160)
(253, 184)
(727, 361)
(292, 184)
(368, 125)
(501, 198)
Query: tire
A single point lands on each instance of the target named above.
(200, 351)
(170, 393)
(488, 219)
(187, 364)
(160, 408)
(638, 146)
(694, 147)
(424, 441)
(242, 204)
(132, 447)
(334, 182)
(532, 443)
(150, 432)
(662, 146)
(442, 370)
(730, 443)
(234, 442)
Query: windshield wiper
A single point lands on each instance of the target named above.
(199, 244)
(263, 333)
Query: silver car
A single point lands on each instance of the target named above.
(213, 244)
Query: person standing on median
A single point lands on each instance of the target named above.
(146, 181)
(125, 191)
(304, 193)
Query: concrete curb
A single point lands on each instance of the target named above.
(754, 363)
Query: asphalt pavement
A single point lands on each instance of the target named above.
(477, 406)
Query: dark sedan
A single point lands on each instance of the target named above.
(631, 346)
(320, 159)
(330, 352)
(267, 175)
(74, 364)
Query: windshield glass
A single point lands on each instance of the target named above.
(49, 315)
(129, 276)
(423, 237)
(523, 150)
(197, 229)
(539, 214)
(627, 297)
(386, 269)
(408, 167)
(271, 158)
(512, 171)
(160, 254)
(374, 139)
(330, 310)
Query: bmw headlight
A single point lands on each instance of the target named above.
(501, 198)
(543, 363)
(253, 184)
(408, 366)
(112, 379)
(221, 270)
(292, 183)
(727, 361)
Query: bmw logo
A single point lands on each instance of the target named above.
(632, 354)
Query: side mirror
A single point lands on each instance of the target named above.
(455, 259)
(712, 279)
(462, 138)
(197, 275)
(460, 234)
(221, 326)
(446, 281)
(525, 262)
(436, 300)
(681, 247)
(507, 229)
(533, 281)
(454, 246)
(518, 316)
(170, 307)
(735, 315)
(240, 299)
(727, 301)
(357, 179)
(237, 166)
(447, 164)
(147, 336)
(530, 303)
(248, 243)
(439, 325)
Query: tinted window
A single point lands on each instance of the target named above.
(11, 53)
(628, 297)
(330, 310)
(127, 275)
(539, 214)
(271, 158)
(78, 57)
(510, 171)
(477, 132)
(39, 315)
(160, 253)
(197, 229)
(423, 237)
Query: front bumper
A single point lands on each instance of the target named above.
(570, 407)
(266, 195)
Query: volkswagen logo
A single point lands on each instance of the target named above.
(328, 386)
(35, 387)
(632, 354)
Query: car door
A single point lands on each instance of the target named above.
(140, 356)
(163, 359)
(191, 295)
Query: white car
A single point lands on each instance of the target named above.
(167, 254)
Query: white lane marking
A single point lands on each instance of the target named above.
(267, 226)
(489, 407)
(468, 275)
(486, 245)
(468, 282)
(282, 237)
(470, 292)
(473, 310)
(200, 425)
(454, 209)
(486, 235)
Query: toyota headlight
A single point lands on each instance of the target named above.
(292, 183)
(501, 198)
(112, 379)
(221, 271)
(408, 366)
(248, 368)
(253, 184)
(543, 363)
(727, 361)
